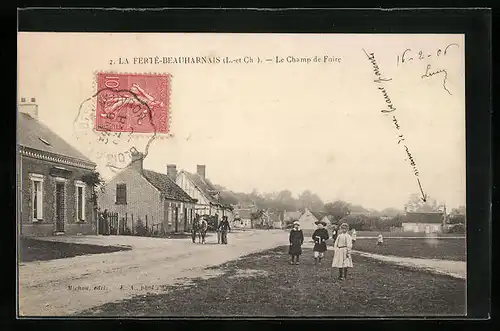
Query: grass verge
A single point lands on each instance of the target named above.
(264, 284)
(40, 250)
(446, 249)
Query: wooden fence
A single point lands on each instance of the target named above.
(112, 223)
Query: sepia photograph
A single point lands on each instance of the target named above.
(241, 175)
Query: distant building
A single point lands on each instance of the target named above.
(276, 219)
(428, 222)
(243, 218)
(152, 197)
(52, 197)
(308, 218)
(199, 187)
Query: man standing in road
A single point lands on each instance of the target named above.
(223, 229)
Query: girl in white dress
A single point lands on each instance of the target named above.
(342, 251)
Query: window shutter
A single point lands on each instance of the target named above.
(121, 194)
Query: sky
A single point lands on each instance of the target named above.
(272, 126)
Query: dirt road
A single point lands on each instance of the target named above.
(67, 286)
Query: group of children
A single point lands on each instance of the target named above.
(342, 246)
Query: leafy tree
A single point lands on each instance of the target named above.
(391, 212)
(257, 215)
(96, 182)
(310, 200)
(338, 209)
(358, 222)
(460, 210)
(285, 201)
(358, 209)
(415, 204)
(457, 215)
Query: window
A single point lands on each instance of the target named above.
(121, 194)
(80, 201)
(37, 196)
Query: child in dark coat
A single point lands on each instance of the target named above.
(320, 236)
(296, 240)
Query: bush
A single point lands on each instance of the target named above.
(459, 228)
(456, 219)
(140, 228)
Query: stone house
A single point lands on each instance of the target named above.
(277, 218)
(154, 198)
(199, 187)
(52, 197)
(428, 222)
(243, 218)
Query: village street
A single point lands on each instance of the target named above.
(66, 286)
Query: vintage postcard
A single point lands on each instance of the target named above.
(241, 175)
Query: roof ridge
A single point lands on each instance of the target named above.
(76, 154)
(184, 194)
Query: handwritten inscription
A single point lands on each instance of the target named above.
(380, 80)
(408, 55)
(429, 73)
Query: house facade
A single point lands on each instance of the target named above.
(242, 218)
(199, 187)
(277, 219)
(427, 222)
(151, 197)
(243, 215)
(52, 195)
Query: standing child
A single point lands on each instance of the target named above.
(296, 240)
(380, 240)
(342, 251)
(320, 236)
(353, 236)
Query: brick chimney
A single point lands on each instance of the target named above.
(172, 172)
(137, 161)
(28, 106)
(200, 170)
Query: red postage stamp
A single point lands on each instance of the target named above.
(132, 102)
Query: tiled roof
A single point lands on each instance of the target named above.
(319, 215)
(167, 186)
(36, 135)
(435, 217)
(207, 188)
(330, 218)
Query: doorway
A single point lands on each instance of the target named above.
(60, 207)
(186, 220)
(176, 218)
